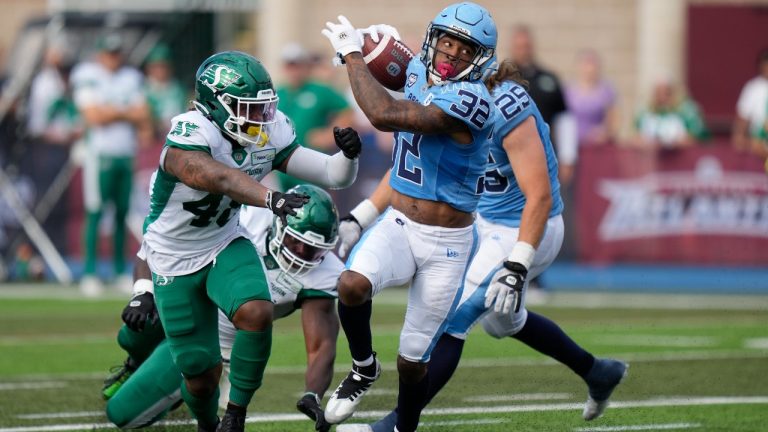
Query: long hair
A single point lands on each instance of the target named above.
(507, 71)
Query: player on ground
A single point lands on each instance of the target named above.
(212, 162)
(302, 275)
(427, 237)
(521, 231)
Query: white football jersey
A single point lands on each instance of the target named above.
(285, 289)
(186, 228)
(95, 85)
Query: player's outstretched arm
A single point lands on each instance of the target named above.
(337, 171)
(321, 328)
(200, 171)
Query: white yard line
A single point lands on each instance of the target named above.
(518, 397)
(661, 402)
(37, 385)
(77, 414)
(647, 427)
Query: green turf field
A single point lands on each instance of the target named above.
(702, 368)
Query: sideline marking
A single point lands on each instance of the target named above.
(659, 402)
(663, 426)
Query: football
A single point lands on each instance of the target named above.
(387, 60)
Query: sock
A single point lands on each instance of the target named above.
(250, 353)
(548, 338)
(139, 345)
(411, 399)
(203, 409)
(356, 321)
(442, 364)
(91, 242)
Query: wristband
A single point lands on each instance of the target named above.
(365, 213)
(522, 253)
(143, 285)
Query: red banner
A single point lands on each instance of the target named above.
(706, 205)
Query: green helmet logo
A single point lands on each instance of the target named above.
(235, 92)
(301, 245)
(218, 77)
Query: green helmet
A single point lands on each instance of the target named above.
(300, 246)
(235, 92)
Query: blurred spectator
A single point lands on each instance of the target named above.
(111, 101)
(545, 89)
(671, 120)
(165, 95)
(315, 107)
(28, 266)
(53, 126)
(592, 100)
(752, 109)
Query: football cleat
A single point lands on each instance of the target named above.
(117, 376)
(602, 379)
(385, 424)
(208, 428)
(350, 392)
(233, 421)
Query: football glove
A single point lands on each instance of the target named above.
(283, 205)
(379, 29)
(507, 288)
(309, 404)
(349, 234)
(139, 311)
(343, 36)
(348, 141)
(352, 225)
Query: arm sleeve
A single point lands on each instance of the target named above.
(335, 172)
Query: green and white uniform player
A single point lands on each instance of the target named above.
(110, 98)
(301, 274)
(212, 162)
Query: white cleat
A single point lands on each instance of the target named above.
(349, 393)
(90, 286)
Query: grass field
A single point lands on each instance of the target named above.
(697, 364)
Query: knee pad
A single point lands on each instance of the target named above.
(193, 361)
(501, 326)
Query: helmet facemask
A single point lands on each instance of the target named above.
(250, 119)
(473, 72)
(297, 253)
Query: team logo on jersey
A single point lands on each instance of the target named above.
(428, 100)
(184, 128)
(161, 280)
(411, 80)
(239, 155)
(262, 156)
(450, 253)
(218, 77)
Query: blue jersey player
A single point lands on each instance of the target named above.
(427, 237)
(521, 231)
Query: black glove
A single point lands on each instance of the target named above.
(309, 404)
(506, 288)
(283, 205)
(139, 311)
(348, 141)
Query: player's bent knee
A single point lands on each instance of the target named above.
(410, 372)
(204, 384)
(354, 288)
(254, 315)
(117, 414)
(196, 361)
(501, 326)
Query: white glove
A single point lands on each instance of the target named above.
(351, 226)
(343, 36)
(379, 29)
(507, 288)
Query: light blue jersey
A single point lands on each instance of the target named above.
(503, 201)
(435, 167)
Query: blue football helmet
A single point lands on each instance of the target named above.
(472, 23)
